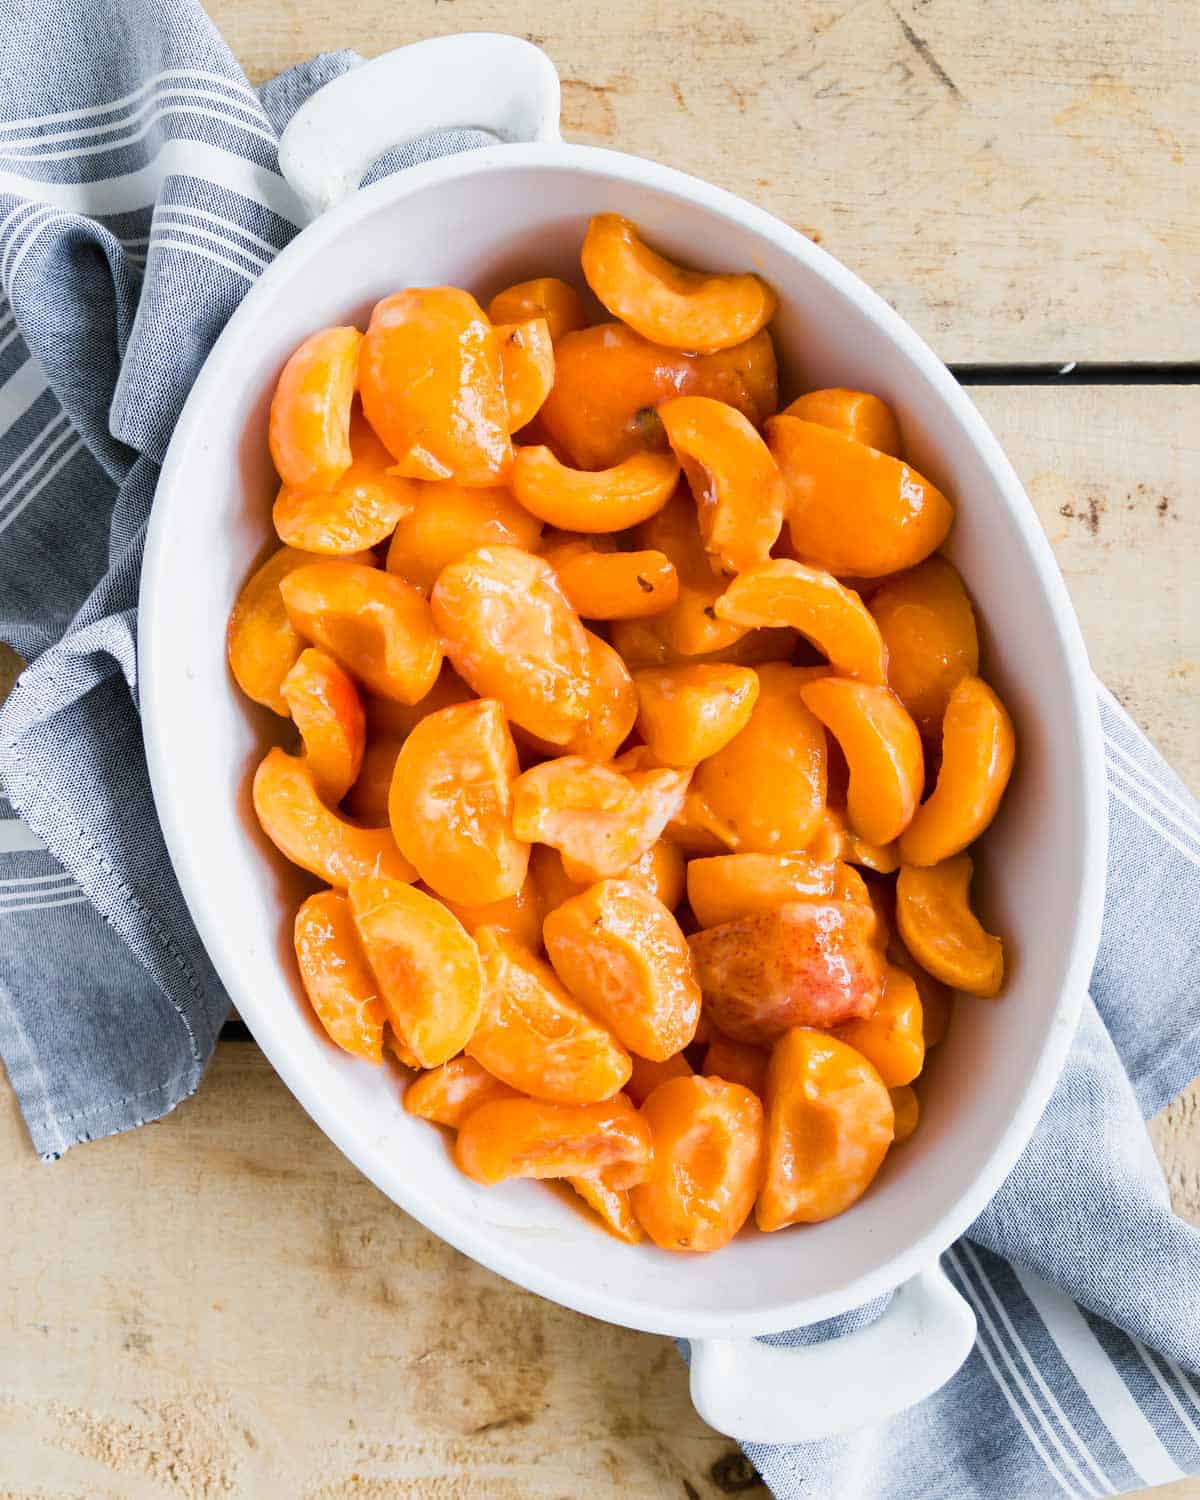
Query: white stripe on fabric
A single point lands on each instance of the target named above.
(10, 516)
(127, 101)
(184, 211)
(1186, 1385)
(24, 207)
(1152, 1365)
(19, 392)
(30, 241)
(1131, 1429)
(17, 838)
(1146, 795)
(1020, 1348)
(12, 907)
(16, 236)
(1187, 809)
(225, 241)
(30, 150)
(17, 880)
(160, 242)
(10, 338)
(1134, 807)
(140, 189)
(118, 143)
(1002, 1383)
(58, 421)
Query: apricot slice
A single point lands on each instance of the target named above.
(389, 720)
(661, 869)
(339, 985)
(451, 804)
(735, 482)
(526, 368)
(448, 520)
(448, 1093)
(928, 627)
(728, 886)
(686, 714)
(708, 1152)
(608, 382)
(367, 799)
(978, 746)
(830, 1122)
(599, 820)
(907, 1109)
(855, 511)
(428, 968)
(620, 952)
(611, 1205)
(617, 585)
(432, 386)
(534, 1035)
(856, 413)
(680, 308)
(544, 297)
(589, 500)
(534, 1138)
(882, 747)
(510, 633)
(935, 997)
(809, 963)
(941, 931)
(647, 1075)
(768, 783)
(377, 626)
(641, 645)
(611, 704)
(891, 1037)
(834, 840)
(736, 1062)
(519, 916)
(690, 627)
(309, 428)
(293, 816)
(261, 642)
(328, 712)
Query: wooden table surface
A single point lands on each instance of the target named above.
(219, 1305)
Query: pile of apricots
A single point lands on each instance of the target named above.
(639, 739)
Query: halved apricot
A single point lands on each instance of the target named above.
(537, 1037)
(830, 1122)
(907, 1109)
(451, 804)
(309, 429)
(519, 916)
(432, 386)
(855, 511)
(328, 712)
(641, 645)
(611, 1205)
(892, 1037)
(544, 297)
(367, 799)
(389, 720)
(448, 520)
(620, 952)
(708, 1151)
(534, 1138)
(734, 481)
(663, 301)
(612, 705)
(978, 746)
(377, 626)
(928, 627)
(737, 1062)
(299, 824)
(647, 1075)
(336, 979)
(882, 747)
(448, 1093)
(608, 382)
(617, 585)
(728, 886)
(526, 368)
(809, 963)
(687, 713)
(941, 931)
(510, 632)
(428, 968)
(262, 643)
(856, 413)
(593, 500)
(599, 820)
(661, 869)
(768, 783)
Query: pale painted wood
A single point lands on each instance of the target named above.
(1021, 180)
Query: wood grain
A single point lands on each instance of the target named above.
(1021, 181)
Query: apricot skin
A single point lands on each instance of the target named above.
(535, 1138)
(309, 430)
(928, 627)
(334, 972)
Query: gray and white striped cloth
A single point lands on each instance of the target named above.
(139, 198)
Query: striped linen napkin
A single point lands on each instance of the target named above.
(139, 199)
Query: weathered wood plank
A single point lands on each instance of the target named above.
(1020, 180)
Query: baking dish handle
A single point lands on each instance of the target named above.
(766, 1393)
(479, 79)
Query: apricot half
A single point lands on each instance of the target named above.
(432, 386)
(725, 887)
(978, 746)
(448, 1093)
(928, 627)
(940, 930)
(309, 428)
(448, 520)
(535, 1138)
(691, 626)
(589, 500)
(336, 979)
(544, 297)
(891, 1037)
(855, 511)
(328, 712)
(680, 308)
(526, 368)
(616, 585)
(856, 413)
(688, 713)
